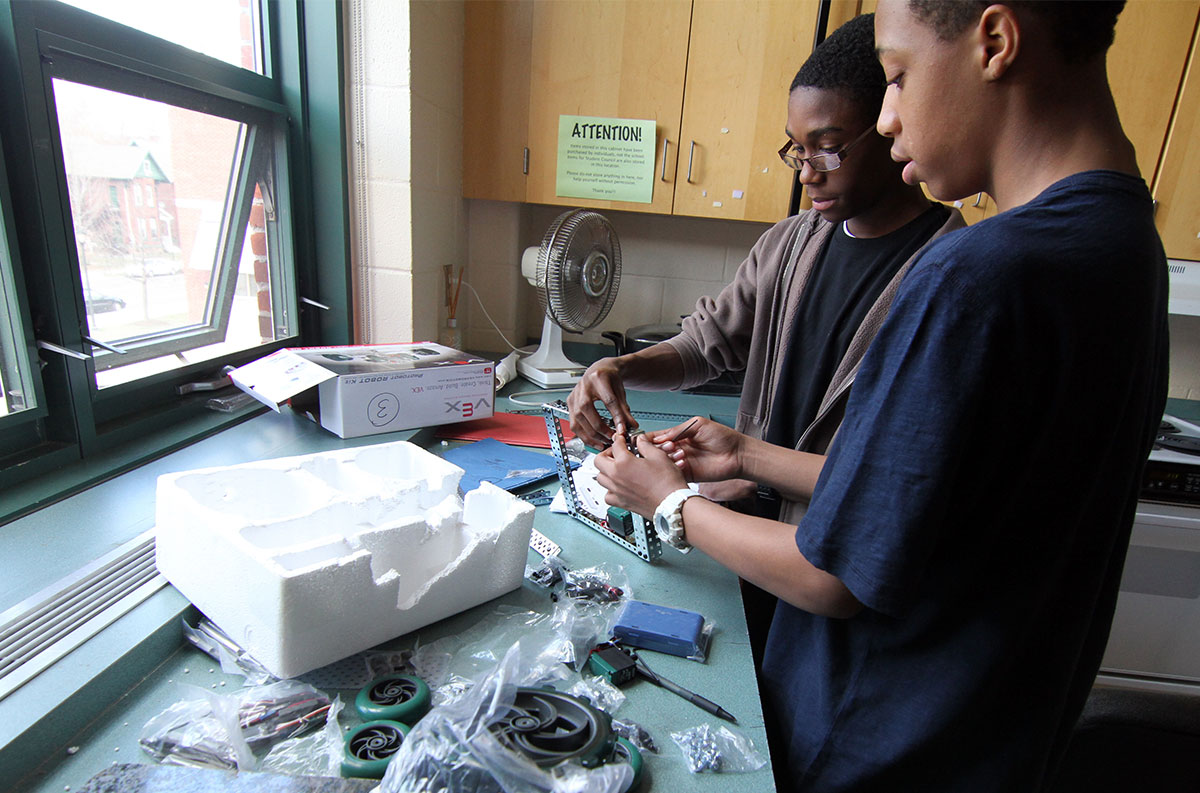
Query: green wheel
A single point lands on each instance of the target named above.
(369, 748)
(625, 752)
(402, 698)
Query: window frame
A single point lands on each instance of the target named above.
(80, 434)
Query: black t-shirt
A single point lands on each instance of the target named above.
(845, 282)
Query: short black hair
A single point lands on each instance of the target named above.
(1080, 29)
(846, 62)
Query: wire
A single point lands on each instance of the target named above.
(489, 318)
(513, 397)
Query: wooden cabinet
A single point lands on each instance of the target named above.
(712, 74)
(1176, 188)
(496, 58)
(1155, 89)
(612, 60)
(741, 62)
(1145, 66)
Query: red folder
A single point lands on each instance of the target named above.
(515, 428)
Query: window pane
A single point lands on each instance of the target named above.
(15, 380)
(153, 191)
(224, 29)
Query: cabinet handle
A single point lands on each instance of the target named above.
(691, 155)
(525, 162)
(663, 177)
(978, 198)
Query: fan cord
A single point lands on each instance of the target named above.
(489, 318)
(541, 392)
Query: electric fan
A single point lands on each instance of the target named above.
(576, 271)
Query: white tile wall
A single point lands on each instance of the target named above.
(406, 163)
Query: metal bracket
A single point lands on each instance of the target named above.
(52, 347)
(642, 539)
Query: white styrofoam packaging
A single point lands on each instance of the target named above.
(367, 390)
(306, 560)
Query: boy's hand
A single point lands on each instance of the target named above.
(600, 383)
(638, 484)
(708, 452)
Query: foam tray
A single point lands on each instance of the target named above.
(305, 560)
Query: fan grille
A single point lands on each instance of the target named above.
(579, 269)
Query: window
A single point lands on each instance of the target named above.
(168, 225)
(16, 383)
(223, 29)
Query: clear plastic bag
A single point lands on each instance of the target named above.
(315, 754)
(454, 748)
(719, 751)
(233, 659)
(234, 730)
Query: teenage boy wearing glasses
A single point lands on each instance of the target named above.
(946, 599)
(806, 302)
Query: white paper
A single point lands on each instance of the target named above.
(278, 377)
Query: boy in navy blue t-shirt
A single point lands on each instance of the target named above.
(947, 597)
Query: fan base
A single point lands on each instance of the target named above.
(550, 378)
(548, 366)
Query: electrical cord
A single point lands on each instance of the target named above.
(540, 392)
(494, 325)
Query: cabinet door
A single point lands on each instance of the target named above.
(742, 60)
(613, 59)
(1145, 66)
(496, 55)
(1177, 189)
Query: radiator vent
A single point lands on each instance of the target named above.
(43, 628)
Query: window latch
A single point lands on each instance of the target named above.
(103, 346)
(51, 347)
(311, 302)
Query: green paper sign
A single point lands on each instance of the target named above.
(608, 158)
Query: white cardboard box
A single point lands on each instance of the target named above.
(366, 390)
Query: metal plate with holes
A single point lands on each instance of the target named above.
(543, 544)
(642, 540)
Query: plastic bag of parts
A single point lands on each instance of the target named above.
(504, 736)
(316, 754)
(602, 584)
(234, 730)
(452, 665)
(233, 659)
(599, 692)
(720, 751)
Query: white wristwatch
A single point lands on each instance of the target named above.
(668, 519)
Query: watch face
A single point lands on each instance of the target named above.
(661, 526)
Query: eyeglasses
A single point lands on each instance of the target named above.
(823, 161)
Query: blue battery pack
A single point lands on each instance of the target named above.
(667, 630)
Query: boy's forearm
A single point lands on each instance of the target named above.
(764, 553)
(792, 473)
(655, 368)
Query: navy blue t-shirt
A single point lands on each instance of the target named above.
(978, 501)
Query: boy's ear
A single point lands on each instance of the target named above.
(999, 37)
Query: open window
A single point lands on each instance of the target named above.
(175, 218)
(169, 174)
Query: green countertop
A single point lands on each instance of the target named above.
(86, 712)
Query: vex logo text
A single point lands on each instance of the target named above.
(465, 407)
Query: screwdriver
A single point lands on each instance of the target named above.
(691, 696)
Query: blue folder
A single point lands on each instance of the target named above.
(507, 467)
